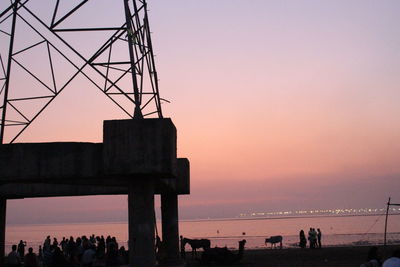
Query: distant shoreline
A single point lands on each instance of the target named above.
(217, 219)
(287, 217)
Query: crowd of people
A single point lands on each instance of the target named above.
(314, 238)
(82, 251)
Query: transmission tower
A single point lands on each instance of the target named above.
(46, 44)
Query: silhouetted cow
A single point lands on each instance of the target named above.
(274, 240)
(197, 243)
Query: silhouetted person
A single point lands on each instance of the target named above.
(394, 261)
(55, 242)
(158, 243)
(160, 250)
(108, 240)
(114, 240)
(63, 244)
(101, 248)
(85, 244)
(40, 253)
(47, 243)
(78, 248)
(47, 257)
(312, 237)
(183, 253)
(13, 258)
(373, 258)
(71, 247)
(303, 240)
(88, 256)
(21, 249)
(58, 259)
(92, 239)
(112, 255)
(319, 236)
(31, 259)
(123, 256)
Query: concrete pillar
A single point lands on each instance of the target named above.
(170, 228)
(3, 209)
(141, 224)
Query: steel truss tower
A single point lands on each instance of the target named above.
(46, 45)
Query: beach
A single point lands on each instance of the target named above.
(345, 240)
(336, 232)
(294, 257)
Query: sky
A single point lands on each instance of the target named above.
(279, 105)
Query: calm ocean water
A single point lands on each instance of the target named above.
(337, 231)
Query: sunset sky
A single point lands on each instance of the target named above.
(279, 105)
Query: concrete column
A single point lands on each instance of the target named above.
(3, 209)
(141, 224)
(170, 228)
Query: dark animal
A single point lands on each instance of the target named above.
(274, 240)
(197, 243)
(222, 256)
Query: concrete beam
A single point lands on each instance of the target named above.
(50, 162)
(179, 186)
(30, 190)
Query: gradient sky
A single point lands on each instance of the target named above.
(279, 105)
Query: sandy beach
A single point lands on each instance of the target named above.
(294, 257)
(329, 256)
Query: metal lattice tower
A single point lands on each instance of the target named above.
(41, 54)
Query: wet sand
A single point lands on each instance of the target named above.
(329, 256)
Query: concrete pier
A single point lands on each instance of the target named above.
(3, 210)
(137, 157)
(170, 228)
(141, 224)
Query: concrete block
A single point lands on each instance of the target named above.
(180, 185)
(183, 180)
(140, 148)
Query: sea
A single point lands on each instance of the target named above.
(336, 231)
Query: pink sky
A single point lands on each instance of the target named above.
(278, 105)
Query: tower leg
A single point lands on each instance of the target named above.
(141, 224)
(3, 210)
(170, 228)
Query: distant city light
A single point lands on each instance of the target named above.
(321, 212)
